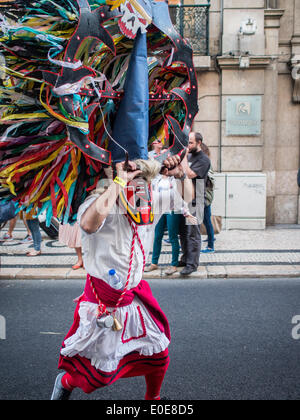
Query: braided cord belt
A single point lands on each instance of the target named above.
(102, 307)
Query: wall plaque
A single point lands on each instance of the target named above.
(244, 116)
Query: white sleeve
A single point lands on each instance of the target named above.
(167, 200)
(180, 206)
(161, 197)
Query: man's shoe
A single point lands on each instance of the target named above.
(181, 264)
(59, 392)
(188, 270)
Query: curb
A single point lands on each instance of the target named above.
(204, 272)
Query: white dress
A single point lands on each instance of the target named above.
(109, 248)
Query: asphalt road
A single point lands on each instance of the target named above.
(232, 339)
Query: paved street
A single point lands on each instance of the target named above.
(274, 252)
(232, 339)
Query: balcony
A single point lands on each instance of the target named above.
(192, 22)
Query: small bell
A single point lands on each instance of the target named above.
(117, 325)
(105, 321)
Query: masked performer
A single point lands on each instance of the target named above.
(118, 333)
(86, 87)
(121, 333)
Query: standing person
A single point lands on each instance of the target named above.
(171, 222)
(209, 196)
(34, 227)
(190, 236)
(70, 236)
(119, 331)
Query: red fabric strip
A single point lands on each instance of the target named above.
(63, 189)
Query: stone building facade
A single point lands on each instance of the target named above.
(253, 61)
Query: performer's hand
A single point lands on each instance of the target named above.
(130, 174)
(172, 162)
(173, 167)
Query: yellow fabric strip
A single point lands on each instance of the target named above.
(9, 172)
(24, 116)
(81, 126)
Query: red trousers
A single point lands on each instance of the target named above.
(154, 380)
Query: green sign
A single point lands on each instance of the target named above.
(244, 116)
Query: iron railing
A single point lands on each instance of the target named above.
(192, 22)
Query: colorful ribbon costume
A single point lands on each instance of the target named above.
(63, 66)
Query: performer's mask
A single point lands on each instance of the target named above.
(136, 199)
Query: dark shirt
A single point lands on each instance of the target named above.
(298, 178)
(200, 164)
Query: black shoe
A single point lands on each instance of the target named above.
(181, 264)
(188, 270)
(59, 392)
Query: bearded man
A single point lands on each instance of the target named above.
(190, 235)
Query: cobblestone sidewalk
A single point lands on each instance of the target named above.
(274, 252)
